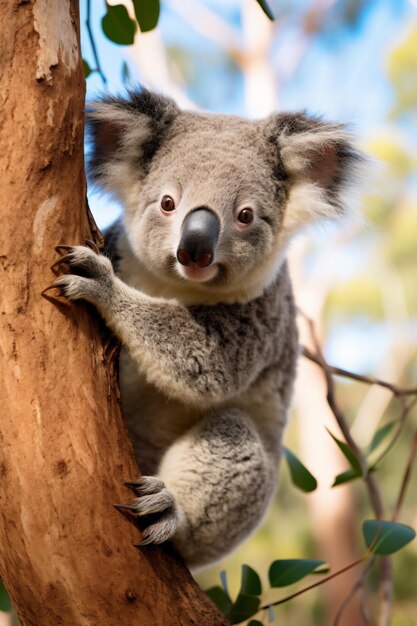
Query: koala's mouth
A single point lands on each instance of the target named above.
(198, 274)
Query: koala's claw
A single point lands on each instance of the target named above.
(156, 500)
(86, 258)
(145, 485)
(74, 287)
(63, 247)
(90, 243)
(160, 531)
(149, 504)
(125, 507)
(90, 274)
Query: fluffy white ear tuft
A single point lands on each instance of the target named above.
(320, 163)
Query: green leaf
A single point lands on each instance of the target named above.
(300, 475)
(87, 69)
(220, 598)
(349, 454)
(243, 608)
(380, 435)
(255, 622)
(346, 477)
(386, 537)
(251, 583)
(5, 604)
(117, 25)
(147, 14)
(288, 571)
(265, 8)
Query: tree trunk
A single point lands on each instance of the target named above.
(66, 555)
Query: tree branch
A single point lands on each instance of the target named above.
(369, 479)
(337, 371)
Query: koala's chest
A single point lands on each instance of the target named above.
(153, 420)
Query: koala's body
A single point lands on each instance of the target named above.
(198, 293)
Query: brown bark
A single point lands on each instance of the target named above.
(66, 555)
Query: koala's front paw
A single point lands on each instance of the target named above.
(91, 276)
(158, 503)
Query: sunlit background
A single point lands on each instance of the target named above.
(352, 61)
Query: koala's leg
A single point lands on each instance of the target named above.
(222, 481)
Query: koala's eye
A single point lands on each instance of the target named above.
(167, 204)
(245, 216)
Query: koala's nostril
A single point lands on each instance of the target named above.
(184, 258)
(204, 260)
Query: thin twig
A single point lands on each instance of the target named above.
(386, 589)
(406, 478)
(385, 592)
(369, 380)
(370, 482)
(372, 487)
(365, 609)
(401, 421)
(356, 587)
(93, 44)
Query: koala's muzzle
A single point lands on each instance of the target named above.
(199, 235)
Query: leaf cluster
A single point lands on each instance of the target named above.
(381, 538)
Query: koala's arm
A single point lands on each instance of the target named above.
(196, 353)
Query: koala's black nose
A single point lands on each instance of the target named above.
(200, 231)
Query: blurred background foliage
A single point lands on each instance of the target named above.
(354, 61)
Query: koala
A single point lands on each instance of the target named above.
(194, 284)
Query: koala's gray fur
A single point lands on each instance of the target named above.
(209, 358)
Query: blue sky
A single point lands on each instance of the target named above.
(342, 75)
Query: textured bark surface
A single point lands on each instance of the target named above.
(66, 555)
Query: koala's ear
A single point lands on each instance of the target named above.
(126, 133)
(320, 162)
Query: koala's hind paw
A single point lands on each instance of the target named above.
(156, 504)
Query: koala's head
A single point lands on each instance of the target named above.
(211, 201)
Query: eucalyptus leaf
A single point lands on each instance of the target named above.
(117, 25)
(147, 14)
(288, 571)
(348, 453)
(255, 622)
(5, 604)
(346, 477)
(87, 69)
(251, 583)
(380, 435)
(220, 598)
(385, 537)
(300, 476)
(243, 608)
(265, 8)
